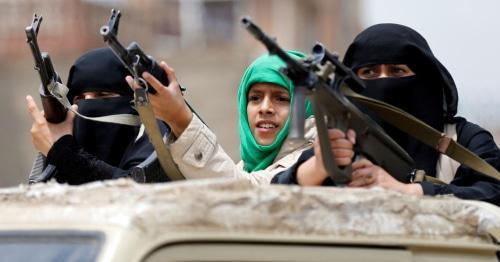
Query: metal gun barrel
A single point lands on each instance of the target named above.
(117, 48)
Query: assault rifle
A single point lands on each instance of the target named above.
(323, 78)
(132, 57)
(54, 111)
(159, 166)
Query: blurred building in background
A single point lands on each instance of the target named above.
(203, 40)
(71, 26)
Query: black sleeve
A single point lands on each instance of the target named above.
(467, 183)
(75, 166)
(289, 176)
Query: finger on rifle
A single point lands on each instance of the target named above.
(155, 83)
(362, 177)
(335, 133)
(360, 172)
(351, 136)
(35, 113)
(362, 163)
(341, 143)
(169, 71)
(342, 161)
(132, 83)
(342, 156)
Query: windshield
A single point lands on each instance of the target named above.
(50, 245)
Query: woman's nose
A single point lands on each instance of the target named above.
(266, 106)
(384, 71)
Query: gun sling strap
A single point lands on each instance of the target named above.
(59, 91)
(151, 126)
(425, 134)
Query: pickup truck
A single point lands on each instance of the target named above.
(233, 220)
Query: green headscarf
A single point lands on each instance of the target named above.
(264, 69)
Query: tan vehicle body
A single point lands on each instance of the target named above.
(228, 220)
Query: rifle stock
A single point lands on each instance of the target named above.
(149, 171)
(54, 111)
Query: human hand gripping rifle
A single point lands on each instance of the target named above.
(315, 77)
(54, 111)
(132, 57)
(137, 62)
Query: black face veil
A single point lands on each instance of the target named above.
(429, 95)
(99, 70)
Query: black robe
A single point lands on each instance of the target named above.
(76, 166)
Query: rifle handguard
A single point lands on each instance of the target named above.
(297, 120)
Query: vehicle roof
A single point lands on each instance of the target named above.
(222, 207)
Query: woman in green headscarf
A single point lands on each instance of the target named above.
(264, 99)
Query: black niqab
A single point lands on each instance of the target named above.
(429, 95)
(100, 70)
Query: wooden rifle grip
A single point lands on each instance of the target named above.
(53, 110)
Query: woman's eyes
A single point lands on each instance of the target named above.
(253, 97)
(77, 98)
(94, 95)
(400, 71)
(278, 98)
(381, 71)
(397, 70)
(366, 73)
(283, 98)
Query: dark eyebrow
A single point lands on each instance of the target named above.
(281, 91)
(254, 90)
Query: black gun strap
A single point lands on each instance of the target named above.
(424, 133)
(148, 119)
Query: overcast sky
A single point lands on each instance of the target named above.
(465, 36)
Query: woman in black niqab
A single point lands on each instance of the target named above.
(429, 94)
(95, 150)
(399, 68)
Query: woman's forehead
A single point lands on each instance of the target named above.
(261, 87)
